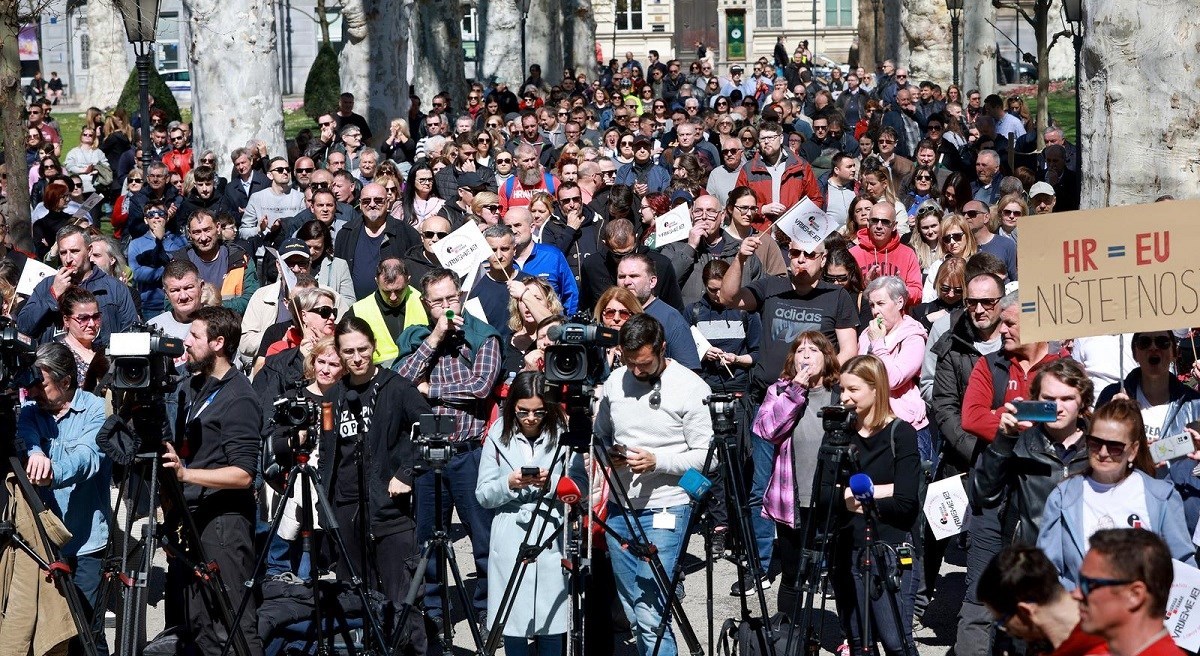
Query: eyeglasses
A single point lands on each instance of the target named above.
(878, 221)
(970, 214)
(424, 180)
(924, 178)
(820, 127)
(280, 169)
(491, 208)
(1011, 213)
(433, 234)
(1160, 342)
(952, 237)
(373, 201)
(448, 301)
(352, 134)
(326, 124)
(746, 209)
(985, 303)
(769, 137)
(838, 279)
(1096, 444)
(625, 143)
(134, 180)
(947, 289)
(86, 318)
(92, 134)
(484, 140)
(1087, 584)
(608, 173)
(325, 312)
(796, 254)
(609, 313)
(529, 413)
(935, 126)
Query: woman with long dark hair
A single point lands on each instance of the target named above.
(956, 191)
(81, 320)
(421, 199)
(526, 438)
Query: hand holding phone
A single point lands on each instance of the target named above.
(1036, 411)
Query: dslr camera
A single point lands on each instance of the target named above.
(296, 413)
(569, 360)
(838, 422)
(143, 359)
(17, 355)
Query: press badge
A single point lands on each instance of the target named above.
(664, 520)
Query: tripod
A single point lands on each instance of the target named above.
(639, 545)
(437, 453)
(310, 486)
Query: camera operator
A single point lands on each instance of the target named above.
(887, 452)
(57, 436)
(215, 458)
(368, 465)
(653, 420)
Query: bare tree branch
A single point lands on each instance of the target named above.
(1055, 37)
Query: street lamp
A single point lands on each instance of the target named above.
(523, 5)
(956, 8)
(875, 45)
(141, 20)
(1074, 15)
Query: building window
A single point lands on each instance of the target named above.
(839, 13)
(768, 13)
(85, 51)
(469, 37)
(629, 15)
(167, 39)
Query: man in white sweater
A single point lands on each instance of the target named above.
(655, 424)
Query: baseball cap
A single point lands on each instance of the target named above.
(292, 247)
(735, 69)
(1041, 189)
(471, 180)
(642, 139)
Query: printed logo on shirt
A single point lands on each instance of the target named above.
(349, 423)
(788, 322)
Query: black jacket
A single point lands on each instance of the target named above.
(399, 238)
(390, 453)
(218, 203)
(418, 264)
(956, 357)
(237, 195)
(576, 245)
(219, 425)
(600, 273)
(1022, 470)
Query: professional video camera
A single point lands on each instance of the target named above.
(296, 413)
(434, 439)
(143, 359)
(838, 422)
(17, 355)
(568, 361)
(724, 414)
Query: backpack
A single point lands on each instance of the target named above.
(547, 179)
(749, 637)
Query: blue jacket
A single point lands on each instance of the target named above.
(82, 473)
(147, 258)
(1062, 538)
(40, 316)
(656, 177)
(549, 264)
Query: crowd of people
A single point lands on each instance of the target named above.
(315, 275)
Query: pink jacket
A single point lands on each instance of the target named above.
(902, 352)
(774, 423)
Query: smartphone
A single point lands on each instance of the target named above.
(530, 472)
(1036, 411)
(618, 451)
(1171, 447)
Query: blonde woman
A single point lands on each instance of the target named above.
(926, 239)
(486, 209)
(399, 145)
(957, 242)
(530, 301)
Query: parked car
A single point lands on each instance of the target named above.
(179, 81)
(1008, 72)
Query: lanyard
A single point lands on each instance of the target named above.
(192, 416)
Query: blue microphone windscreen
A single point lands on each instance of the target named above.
(861, 485)
(695, 484)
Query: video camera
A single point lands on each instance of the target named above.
(296, 413)
(17, 355)
(568, 361)
(143, 359)
(838, 422)
(433, 442)
(724, 412)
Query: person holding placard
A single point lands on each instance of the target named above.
(706, 242)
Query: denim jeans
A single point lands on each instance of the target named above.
(762, 454)
(541, 645)
(852, 600)
(636, 586)
(86, 570)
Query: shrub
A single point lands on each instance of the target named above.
(163, 98)
(324, 84)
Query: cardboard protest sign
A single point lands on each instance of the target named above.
(806, 223)
(463, 250)
(673, 226)
(946, 507)
(1183, 615)
(1108, 271)
(32, 274)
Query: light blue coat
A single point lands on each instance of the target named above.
(1062, 538)
(541, 606)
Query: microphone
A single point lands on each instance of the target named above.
(695, 484)
(864, 491)
(553, 333)
(567, 491)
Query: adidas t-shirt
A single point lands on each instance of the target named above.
(786, 314)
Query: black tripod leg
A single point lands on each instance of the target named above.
(737, 483)
(452, 561)
(410, 600)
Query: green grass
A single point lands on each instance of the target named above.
(1061, 107)
(70, 123)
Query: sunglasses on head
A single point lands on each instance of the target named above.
(1160, 342)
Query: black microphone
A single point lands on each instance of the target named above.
(553, 333)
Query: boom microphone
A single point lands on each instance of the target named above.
(567, 491)
(863, 489)
(554, 332)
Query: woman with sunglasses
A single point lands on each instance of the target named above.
(1027, 460)
(958, 242)
(624, 152)
(842, 270)
(84, 159)
(614, 307)
(1007, 213)
(526, 438)
(81, 322)
(421, 199)
(486, 208)
(921, 188)
(1167, 405)
(484, 140)
(1117, 489)
(949, 283)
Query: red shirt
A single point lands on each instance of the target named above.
(1081, 644)
(979, 418)
(1164, 646)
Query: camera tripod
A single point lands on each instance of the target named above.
(123, 444)
(435, 447)
(302, 475)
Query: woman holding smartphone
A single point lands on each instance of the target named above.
(887, 452)
(519, 472)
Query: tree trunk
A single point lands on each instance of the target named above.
(108, 64)
(322, 21)
(11, 105)
(374, 61)
(235, 77)
(544, 38)
(579, 39)
(437, 50)
(500, 43)
(926, 48)
(868, 55)
(1062, 55)
(1041, 29)
(1139, 66)
(890, 23)
(979, 38)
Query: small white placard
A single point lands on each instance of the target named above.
(1183, 607)
(32, 274)
(463, 250)
(673, 226)
(946, 507)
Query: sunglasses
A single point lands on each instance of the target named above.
(491, 208)
(280, 169)
(373, 201)
(305, 170)
(325, 312)
(934, 126)
(924, 178)
(504, 160)
(87, 318)
(953, 237)
(529, 413)
(133, 180)
(1011, 212)
(947, 289)
(837, 280)
(887, 141)
(1113, 447)
(730, 151)
(609, 313)
(1160, 342)
(433, 234)
(879, 221)
(571, 199)
(986, 303)
(1088, 584)
(973, 213)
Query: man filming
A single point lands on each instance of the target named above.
(215, 459)
(653, 421)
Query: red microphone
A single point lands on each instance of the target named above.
(567, 491)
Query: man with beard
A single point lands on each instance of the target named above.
(40, 315)
(542, 260)
(530, 177)
(181, 282)
(778, 177)
(653, 408)
(217, 433)
(267, 209)
(368, 238)
(225, 266)
(574, 228)
(393, 307)
(599, 272)
(642, 173)
(302, 172)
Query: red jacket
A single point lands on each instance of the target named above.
(798, 181)
(178, 161)
(894, 259)
(979, 417)
(1081, 644)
